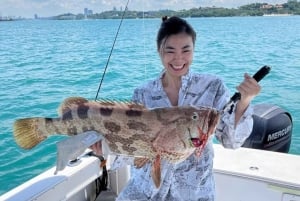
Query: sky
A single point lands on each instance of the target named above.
(46, 8)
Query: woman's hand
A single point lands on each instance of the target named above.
(97, 148)
(249, 88)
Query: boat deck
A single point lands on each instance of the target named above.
(107, 196)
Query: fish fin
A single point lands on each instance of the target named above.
(156, 171)
(68, 103)
(107, 102)
(26, 133)
(138, 106)
(120, 104)
(214, 117)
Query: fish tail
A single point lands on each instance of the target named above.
(27, 134)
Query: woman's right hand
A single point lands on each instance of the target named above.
(97, 148)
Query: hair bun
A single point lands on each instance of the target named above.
(164, 18)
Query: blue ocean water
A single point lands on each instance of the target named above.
(42, 62)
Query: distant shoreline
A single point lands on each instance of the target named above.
(5, 20)
(292, 7)
(276, 15)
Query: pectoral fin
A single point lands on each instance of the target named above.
(74, 146)
(156, 171)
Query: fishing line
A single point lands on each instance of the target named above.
(144, 42)
(112, 48)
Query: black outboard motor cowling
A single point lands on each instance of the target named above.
(272, 129)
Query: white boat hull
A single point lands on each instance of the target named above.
(241, 175)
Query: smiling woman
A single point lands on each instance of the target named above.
(175, 45)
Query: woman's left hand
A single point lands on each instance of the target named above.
(249, 88)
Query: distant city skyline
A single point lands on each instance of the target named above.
(47, 8)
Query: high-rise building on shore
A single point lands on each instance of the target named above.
(87, 12)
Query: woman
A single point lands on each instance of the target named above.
(191, 179)
(178, 86)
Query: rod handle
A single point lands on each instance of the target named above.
(258, 76)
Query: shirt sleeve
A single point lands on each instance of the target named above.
(230, 136)
(226, 133)
(138, 96)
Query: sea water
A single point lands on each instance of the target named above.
(42, 62)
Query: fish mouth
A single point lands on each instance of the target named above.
(197, 141)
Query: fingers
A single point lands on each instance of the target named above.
(249, 88)
(97, 148)
(140, 162)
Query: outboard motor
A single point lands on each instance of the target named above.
(272, 129)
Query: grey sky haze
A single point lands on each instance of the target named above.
(45, 8)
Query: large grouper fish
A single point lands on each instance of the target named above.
(128, 128)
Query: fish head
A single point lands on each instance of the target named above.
(197, 123)
(184, 129)
(202, 124)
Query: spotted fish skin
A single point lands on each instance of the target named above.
(129, 128)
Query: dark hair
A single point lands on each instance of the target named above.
(171, 26)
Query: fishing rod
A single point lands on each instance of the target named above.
(101, 182)
(259, 75)
(112, 48)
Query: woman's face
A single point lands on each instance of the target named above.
(176, 54)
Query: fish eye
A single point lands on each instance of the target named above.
(195, 116)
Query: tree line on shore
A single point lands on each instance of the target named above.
(292, 7)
